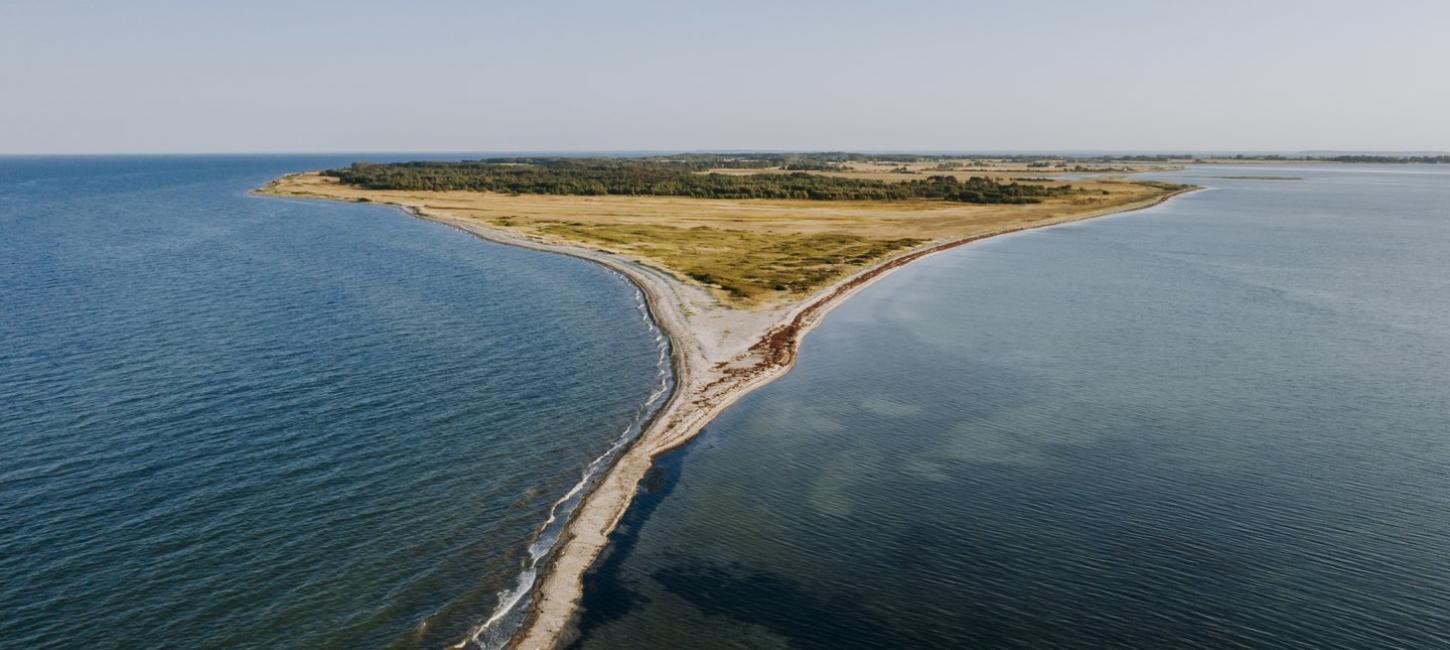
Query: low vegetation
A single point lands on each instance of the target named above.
(744, 265)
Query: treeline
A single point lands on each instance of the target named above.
(798, 161)
(978, 189)
(660, 177)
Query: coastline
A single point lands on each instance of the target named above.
(718, 355)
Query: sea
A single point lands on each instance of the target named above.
(1223, 422)
(234, 421)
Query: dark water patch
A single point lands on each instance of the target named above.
(751, 597)
(613, 598)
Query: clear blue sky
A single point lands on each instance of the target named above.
(193, 76)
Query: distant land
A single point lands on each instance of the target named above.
(1431, 158)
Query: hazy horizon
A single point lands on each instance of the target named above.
(455, 77)
(655, 152)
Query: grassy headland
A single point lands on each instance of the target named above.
(752, 229)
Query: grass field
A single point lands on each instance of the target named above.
(747, 251)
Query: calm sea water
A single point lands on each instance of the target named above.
(1223, 422)
(239, 422)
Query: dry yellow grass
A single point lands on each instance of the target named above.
(748, 250)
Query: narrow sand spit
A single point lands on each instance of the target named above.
(719, 354)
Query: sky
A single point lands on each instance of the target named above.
(147, 76)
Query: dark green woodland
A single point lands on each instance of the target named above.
(683, 175)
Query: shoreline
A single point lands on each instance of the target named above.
(714, 364)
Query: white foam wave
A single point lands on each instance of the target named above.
(496, 631)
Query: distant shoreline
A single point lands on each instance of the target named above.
(709, 377)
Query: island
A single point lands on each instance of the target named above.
(738, 256)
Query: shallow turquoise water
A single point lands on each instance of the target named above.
(244, 422)
(1223, 422)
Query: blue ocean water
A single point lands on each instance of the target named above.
(1220, 423)
(232, 421)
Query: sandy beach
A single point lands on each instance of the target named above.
(720, 353)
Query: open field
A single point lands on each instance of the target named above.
(746, 251)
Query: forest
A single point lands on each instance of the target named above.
(683, 175)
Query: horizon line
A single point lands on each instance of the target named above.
(742, 150)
